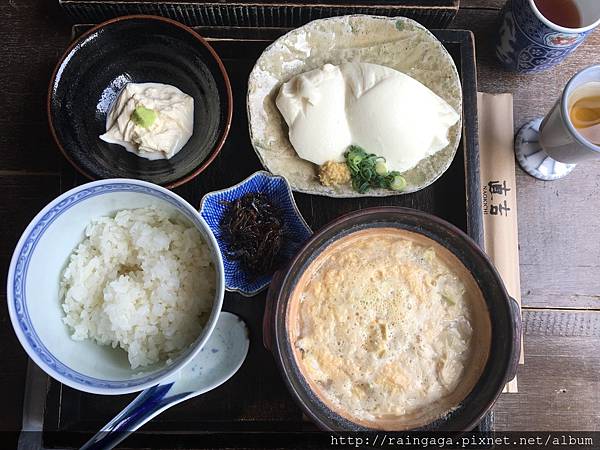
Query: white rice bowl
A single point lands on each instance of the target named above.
(143, 281)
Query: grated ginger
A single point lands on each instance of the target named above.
(333, 173)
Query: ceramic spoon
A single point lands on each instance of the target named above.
(220, 358)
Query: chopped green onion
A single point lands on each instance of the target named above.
(397, 183)
(369, 170)
(366, 172)
(354, 156)
(381, 168)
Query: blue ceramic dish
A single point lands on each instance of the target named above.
(297, 231)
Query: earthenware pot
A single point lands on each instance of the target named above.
(504, 314)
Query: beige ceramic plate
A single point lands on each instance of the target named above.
(399, 43)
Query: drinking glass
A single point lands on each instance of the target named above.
(548, 148)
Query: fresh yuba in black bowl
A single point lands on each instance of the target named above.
(134, 50)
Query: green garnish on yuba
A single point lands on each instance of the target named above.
(370, 171)
(144, 117)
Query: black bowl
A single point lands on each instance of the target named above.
(137, 49)
(503, 312)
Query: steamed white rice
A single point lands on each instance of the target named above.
(141, 281)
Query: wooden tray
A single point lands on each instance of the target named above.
(255, 399)
(263, 13)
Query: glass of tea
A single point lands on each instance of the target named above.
(548, 148)
(537, 34)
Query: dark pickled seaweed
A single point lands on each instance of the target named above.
(253, 229)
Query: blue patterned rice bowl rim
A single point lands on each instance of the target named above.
(276, 185)
(17, 295)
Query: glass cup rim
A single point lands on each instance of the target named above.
(564, 100)
(560, 28)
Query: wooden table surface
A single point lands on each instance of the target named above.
(559, 221)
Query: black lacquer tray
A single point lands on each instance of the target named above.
(261, 13)
(254, 407)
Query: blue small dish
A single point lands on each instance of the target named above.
(297, 231)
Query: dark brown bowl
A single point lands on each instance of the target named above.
(503, 312)
(137, 49)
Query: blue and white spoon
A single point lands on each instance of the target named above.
(221, 357)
